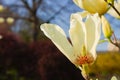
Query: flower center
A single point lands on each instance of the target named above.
(87, 59)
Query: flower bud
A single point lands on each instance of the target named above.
(106, 28)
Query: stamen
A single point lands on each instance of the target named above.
(87, 59)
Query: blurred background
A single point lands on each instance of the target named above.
(25, 53)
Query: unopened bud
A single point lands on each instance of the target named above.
(106, 28)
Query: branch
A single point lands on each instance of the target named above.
(27, 5)
(56, 13)
(115, 42)
(14, 6)
(23, 18)
(36, 5)
(114, 9)
(34, 8)
(39, 3)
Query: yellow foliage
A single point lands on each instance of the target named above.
(106, 62)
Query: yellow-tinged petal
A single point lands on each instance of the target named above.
(77, 33)
(97, 22)
(90, 27)
(92, 24)
(97, 34)
(58, 37)
(83, 14)
(95, 6)
(79, 3)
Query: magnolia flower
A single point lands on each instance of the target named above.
(113, 12)
(93, 6)
(84, 36)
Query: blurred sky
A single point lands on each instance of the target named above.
(59, 11)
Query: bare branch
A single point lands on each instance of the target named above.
(15, 6)
(56, 13)
(39, 3)
(23, 18)
(27, 5)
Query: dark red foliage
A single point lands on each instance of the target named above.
(36, 61)
(53, 65)
(17, 55)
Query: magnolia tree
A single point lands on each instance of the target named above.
(85, 32)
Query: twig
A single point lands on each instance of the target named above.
(112, 5)
(114, 8)
(115, 41)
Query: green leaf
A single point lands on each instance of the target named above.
(110, 1)
(102, 41)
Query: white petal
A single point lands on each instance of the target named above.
(79, 3)
(93, 33)
(58, 37)
(83, 14)
(77, 32)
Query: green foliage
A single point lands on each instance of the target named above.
(10, 74)
(39, 60)
(110, 1)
